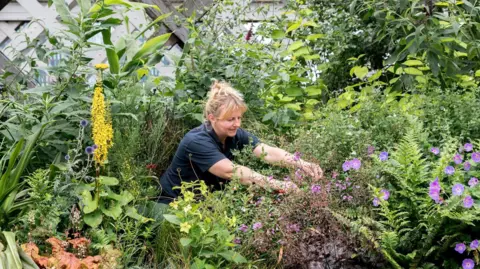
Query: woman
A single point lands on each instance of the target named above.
(206, 151)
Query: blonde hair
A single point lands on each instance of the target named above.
(222, 100)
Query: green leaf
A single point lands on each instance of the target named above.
(133, 213)
(108, 181)
(185, 241)
(294, 91)
(360, 71)
(233, 256)
(311, 57)
(93, 219)
(315, 36)
(148, 48)
(375, 76)
(293, 27)
(303, 50)
(295, 107)
(85, 6)
(313, 90)
(110, 51)
(413, 63)
(268, 116)
(413, 71)
(278, 34)
(12, 251)
(111, 208)
(62, 9)
(142, 72)
(89, 204)
(172, 219)
(133, 5)
(477, 73)
(124, 197)
(295, 45)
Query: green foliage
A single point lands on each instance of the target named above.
(12, 256)
(203, 230)
(13, 200)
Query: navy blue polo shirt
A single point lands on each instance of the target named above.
(199, 150)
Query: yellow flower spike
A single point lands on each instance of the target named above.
(185, 227)
(101, 124)
(101, 66)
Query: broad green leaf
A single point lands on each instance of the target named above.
(310, 23)
(294, 91)
(142, 72)
(62, 9)
(309, 115)
(315, 36)
(293, 27)
(413, 63)
(12, 251)
(301, 51)
(295, 45)
(268, 116)
(311, 57)
(375, 76)
(441, 4)
(133, 213)
(89, 204)
(278, 34)
(295, 107)
(360, 71)
(312, 102)
(421, 79)
(413, 71)
(185, 241)
(172, 219)
(93, 219)
(111, 208)
(128, 4)
(447, 39)
(460, 54)
(477, 73)
(313, 90)
(108, 181)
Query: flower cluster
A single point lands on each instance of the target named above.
(384, 195)
(101, 123)
(354, 164)
(461, 247)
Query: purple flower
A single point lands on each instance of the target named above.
(89, 150)
(355, 164)
(383, 156)
(435, 151)
(385, 194)
(296, 156)
(474, 244)
(468, 147)
(460, 248)
(476, 157)
(298, 174)
(259, 201)
(458, 158)
(83, 123)
(243, 228)
(95, 147)
(468, 201)
(237, 241)
(287, 178)
(257, 225)
(472, 182)
(370, 150)
(468, 264)
(466, 166)
(457, 189)
(334, 175)
(434, 190)
(346, 166)
(376, 202)
(449, 170)
(67, 157)
(294, 227)
(316, 189)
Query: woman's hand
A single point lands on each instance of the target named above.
(312, 169)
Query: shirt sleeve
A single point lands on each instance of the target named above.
(204, 154)
(246, 138)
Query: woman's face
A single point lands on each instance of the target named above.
(227, 126)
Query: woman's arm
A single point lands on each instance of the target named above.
(278, 156)
(227, 170)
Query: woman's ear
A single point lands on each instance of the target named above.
(211, 118)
